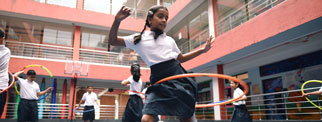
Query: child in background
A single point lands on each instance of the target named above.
(133, 110)
(240, 113)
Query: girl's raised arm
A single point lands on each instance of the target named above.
(113, 39)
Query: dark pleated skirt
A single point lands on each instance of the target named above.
(172, 98)
(241, 114)
(133, 110)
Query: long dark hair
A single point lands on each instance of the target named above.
(150, 14)
(135, 71)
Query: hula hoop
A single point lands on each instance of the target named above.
(12, 82)
(43, 67)
(210, 75)
(317, 81)
(75, 110)
(135, 92)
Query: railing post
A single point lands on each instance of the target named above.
(285, 106)
(259, 110)
(319, 109)
(230, 26)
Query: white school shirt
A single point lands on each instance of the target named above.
(153, 51)
(135, 86)
(28, 90)
(237, 93)
(89, 98)
(4, 62)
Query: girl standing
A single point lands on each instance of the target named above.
(160, 52)
(133, 110)
(240, 113)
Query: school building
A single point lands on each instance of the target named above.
(272, 45)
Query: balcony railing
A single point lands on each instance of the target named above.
(285, 105)
(241, 15)
(40, 50)
(104, 57)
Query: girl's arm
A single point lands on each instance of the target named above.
(193, 54)
(113, 39)
(312, 93)
(125, 82)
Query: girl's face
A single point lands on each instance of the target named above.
(233, 84)
(159, 20)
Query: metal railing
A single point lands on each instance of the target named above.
(44, 51)
(40, 50)
(60, 111)
(48, 110)
(194, 42)
(241, 15)
(285, 105)
(104, 57)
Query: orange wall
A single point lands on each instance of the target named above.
(30, 7)
(283, 17)
(95, 71)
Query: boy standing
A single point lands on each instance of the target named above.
(29, 92)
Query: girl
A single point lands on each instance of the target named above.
(160, 52)
(133, 110)
(240, 113)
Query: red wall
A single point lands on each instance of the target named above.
(95, 71)
(283, 17)
(268, 24)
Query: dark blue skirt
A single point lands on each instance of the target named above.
(133, 110)
(241, 114)
(172, 98)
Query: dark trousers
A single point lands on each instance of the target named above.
(27, 111)
(3, 98)
(89, 114)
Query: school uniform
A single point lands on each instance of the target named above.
(28, 108)
(175, 97)
(240, 113)
(133, 109)
(4, 77)
(89, 111)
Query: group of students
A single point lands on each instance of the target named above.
(29, 89)
(160, 52)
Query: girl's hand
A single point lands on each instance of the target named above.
(123, 13)
(208, 45)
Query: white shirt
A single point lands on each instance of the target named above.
(89, 98)
(135, 86)
(153, 51)
(320, 90)
(4, 62)
(237, 93)
(28, 90)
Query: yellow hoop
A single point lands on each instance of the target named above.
(310, 81)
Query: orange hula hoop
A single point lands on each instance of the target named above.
(12, 82)
(246, 89)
